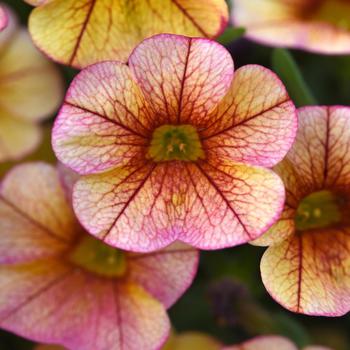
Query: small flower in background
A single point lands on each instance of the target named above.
(62, 286)
(307, 266)
(80, 33)
(30, 90)
(271, 342)
(3, 18)
(321, 26)
(166, 155)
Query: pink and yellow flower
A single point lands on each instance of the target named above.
(271, 342)
(83, 32)
(315, 25)
(30, 90)
(172, 146)
(60, 285)
(307, 266)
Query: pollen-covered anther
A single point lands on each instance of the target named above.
(175, 142)
(318, 210)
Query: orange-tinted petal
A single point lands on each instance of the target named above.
(317, 347)
(147, 207)
(182, 78)
(103, 122)
(30, 88)
(50, 347)
(310, 272)
(55, 303)
(256, 121)
(17, 137)
(268, 342)
(36, 220)
(83, 32)
(192, 341)
(165, 274)
(289, 24)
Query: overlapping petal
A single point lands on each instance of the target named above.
(83, 32)
(165, 274)
(191, 340)
(295, 24)
(3, 18)
(182, 78)
(145, 208)
(269, 342)
(104, 121)
(36, 221)
(52, 303)
(256, 121)
(310, 271)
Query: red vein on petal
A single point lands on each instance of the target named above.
(33, 221)
(42, 290)
(212, 182)
(300, 270)
(105, 118)
(162, 252)
(127, 203)
(82, 32)
(190, 18)
(326, 151)
(118, 315)
(183, 80)
(243, 121)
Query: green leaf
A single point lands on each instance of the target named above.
(231, 34)
(284, 65)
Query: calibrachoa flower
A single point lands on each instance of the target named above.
(83, 32)
(60, 285)
(30, 90)
(316, 25)
(173, 146)
(271, 342)
(307, 267)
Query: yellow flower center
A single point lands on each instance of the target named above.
(98, 258)
(318, 210)
(175, 142)
(336, 12)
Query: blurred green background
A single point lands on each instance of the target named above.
(227, 299)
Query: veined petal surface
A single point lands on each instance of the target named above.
(256, 121)
(36, 221)
(114, 316)
(182, 78)
(104, 121)
(147, 207)
(83, 32)
(30, 88)
(309, 273)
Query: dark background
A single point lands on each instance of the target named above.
(228, 299)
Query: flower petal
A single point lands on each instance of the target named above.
(9, 30)
(266, 342)
(165, 274)
(103, 122)
(3, 18)
(309, 273)
(49, 347)
(147, 207)
(30, 88)
(17, 137)
(191, 341)
(277, 23)
(89, 31)
(55, 303)
(38, 2)
(36, 220)
(183, 78)
(255, 123)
